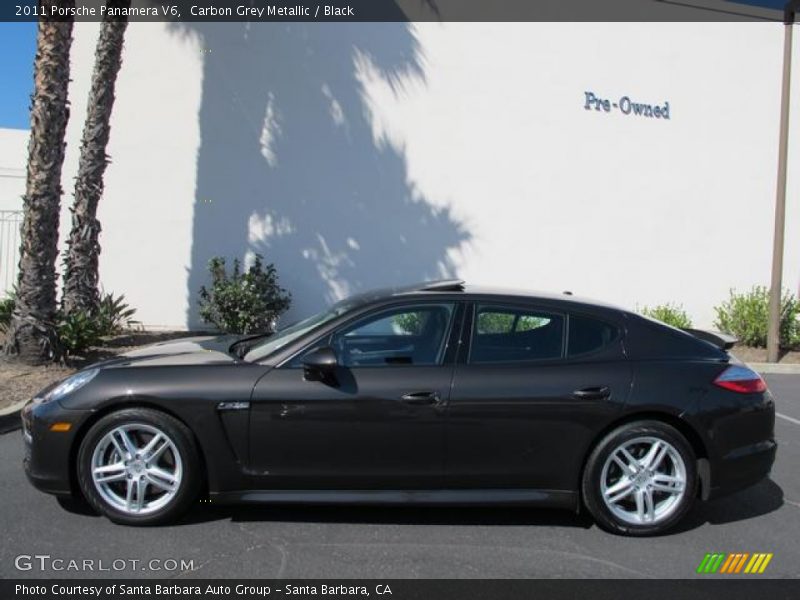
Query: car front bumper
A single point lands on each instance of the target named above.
(48, 453)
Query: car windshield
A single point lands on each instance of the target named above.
(287, 335)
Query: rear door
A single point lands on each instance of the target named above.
(531, 389)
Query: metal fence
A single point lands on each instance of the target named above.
(10, 225)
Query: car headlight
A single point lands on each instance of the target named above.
(70, 384)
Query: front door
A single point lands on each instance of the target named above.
(377, 423)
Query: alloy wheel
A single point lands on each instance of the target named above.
(643, 480)
(136, 468)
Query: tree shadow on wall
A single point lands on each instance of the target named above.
(288, 165)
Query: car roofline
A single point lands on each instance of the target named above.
(473, 291)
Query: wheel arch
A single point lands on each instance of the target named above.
(682, 426)
(110, 408)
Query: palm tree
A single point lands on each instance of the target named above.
(31, 337)
(83, 247)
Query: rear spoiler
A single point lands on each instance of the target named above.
(723, 341)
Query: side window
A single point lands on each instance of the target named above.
(588, 335)
(411, 335)
(508, 334)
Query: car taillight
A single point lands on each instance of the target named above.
(738, 378)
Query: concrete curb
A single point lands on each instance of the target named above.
(776, 368)
(9, 417)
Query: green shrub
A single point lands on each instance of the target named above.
(243, 302)
(6, 308)
(671, 314)
(77, 332)
(745, 316)
(410, 323)
(80, 331)
(114, 315)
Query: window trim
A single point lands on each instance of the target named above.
(327, 338)
(511, 306)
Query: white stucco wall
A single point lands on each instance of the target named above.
(13, 145)
(635, 211)
(146, 211)
(317, 146)
(13, 154)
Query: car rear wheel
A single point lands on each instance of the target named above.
(139, 467)
(641, 479)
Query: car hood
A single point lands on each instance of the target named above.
(186, 351)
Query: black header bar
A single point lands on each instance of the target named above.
(399, 10)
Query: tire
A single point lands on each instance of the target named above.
(616, 495)
(155, 485)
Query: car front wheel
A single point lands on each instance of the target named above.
(641, 479)
(139, 467)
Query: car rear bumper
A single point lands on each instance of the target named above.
(742, 468)
(740, 437)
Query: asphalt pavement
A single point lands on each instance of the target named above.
(346, 542)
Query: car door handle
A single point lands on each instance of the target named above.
(421, 398)
(592, 393)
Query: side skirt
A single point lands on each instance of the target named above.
(548, 498)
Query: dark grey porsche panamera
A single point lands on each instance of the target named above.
(436, 393)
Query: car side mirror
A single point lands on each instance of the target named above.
(320, 363)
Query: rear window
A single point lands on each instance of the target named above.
(515, 335)
(589, 335)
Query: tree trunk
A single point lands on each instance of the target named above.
(32, 337)
(83, 248)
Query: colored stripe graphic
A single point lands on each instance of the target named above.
(718, 563)
(728, 563)
(702, 566)
(758, 563)
(754, 562)
(711, 563)
(764, 564)
(724, 563)
(741, 562)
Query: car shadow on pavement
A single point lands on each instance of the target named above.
(763, 498)
(760, 499)
(390, 515)
(204, 512)
(76, 506)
